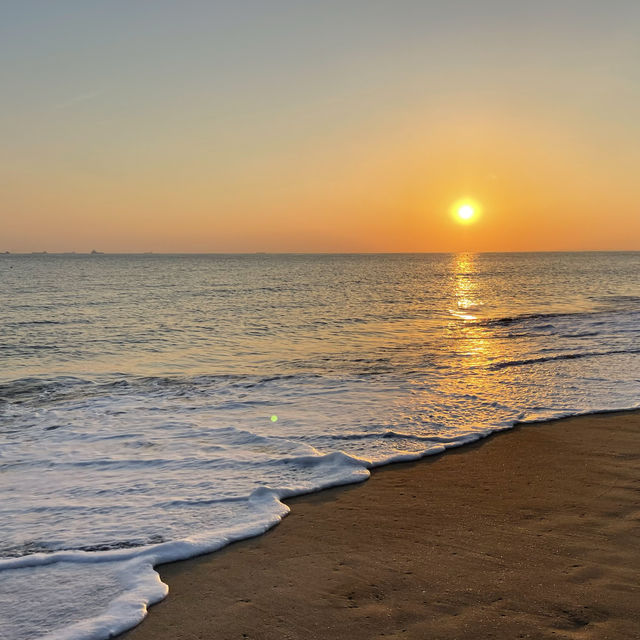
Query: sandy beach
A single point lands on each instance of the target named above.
(531, 533)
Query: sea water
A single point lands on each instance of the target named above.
(157, 407)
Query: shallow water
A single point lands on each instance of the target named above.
(155, 407)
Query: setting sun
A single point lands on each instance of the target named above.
(465, 212)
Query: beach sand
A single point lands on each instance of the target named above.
(531, 533)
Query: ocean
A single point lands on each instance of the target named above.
(156, 407)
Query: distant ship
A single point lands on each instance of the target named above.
(96, 253)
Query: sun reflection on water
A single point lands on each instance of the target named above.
(465, 289)
(470, 338)
(464, 393)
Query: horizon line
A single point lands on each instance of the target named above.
(297, 253)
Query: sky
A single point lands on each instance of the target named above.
(308, 126)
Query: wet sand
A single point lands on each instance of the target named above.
(532, 533)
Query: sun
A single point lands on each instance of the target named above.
(465, 211)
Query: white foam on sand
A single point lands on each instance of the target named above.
(118, 586)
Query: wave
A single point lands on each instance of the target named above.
(31, 323)
(625, 301)
(561, 356)
(29, 388)
(612, 304)
(25, 388)
(400, 435)
(527, 317)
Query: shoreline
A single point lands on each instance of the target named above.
(477, 542)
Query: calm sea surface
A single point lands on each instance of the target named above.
(155, 407)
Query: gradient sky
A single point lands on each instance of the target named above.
(319, 126)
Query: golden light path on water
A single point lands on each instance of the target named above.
(468, 300)
(469, 342)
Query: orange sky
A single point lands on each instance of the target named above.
(246, 128)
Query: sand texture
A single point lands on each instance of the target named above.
(533, 533)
